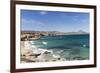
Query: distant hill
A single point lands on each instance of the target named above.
(80, 32)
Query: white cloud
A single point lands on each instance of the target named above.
(43, 12)
(31, 21)
(77, 16)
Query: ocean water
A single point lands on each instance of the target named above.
(69, 47)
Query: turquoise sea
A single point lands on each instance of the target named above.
(69, 47)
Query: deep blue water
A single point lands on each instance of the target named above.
(70, 47)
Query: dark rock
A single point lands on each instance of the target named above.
(59, 58)
(36, 55)
(47, 52)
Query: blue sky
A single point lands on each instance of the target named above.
(33, 20)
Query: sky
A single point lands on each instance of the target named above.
(32, 20)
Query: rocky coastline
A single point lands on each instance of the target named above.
(30, 53)
(35, 35)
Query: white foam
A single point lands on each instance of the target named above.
(56, 56)
(84, 45)
(27, 44)
(45, 43)
(32, 42)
